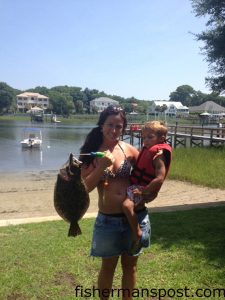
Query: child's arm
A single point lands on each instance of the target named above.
(160, 173)
(154, 186)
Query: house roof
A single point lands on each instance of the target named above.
(177, 104)
(208, 106)
(29, 94)
(36, 108)
(105, 99)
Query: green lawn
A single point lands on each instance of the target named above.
(39, 261)
(202, 166)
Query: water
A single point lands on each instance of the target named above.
(58, 141)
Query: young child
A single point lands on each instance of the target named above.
(147, 175)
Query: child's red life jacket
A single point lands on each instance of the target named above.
(144, 172)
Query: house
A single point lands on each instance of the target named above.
(101, 103)
(173, 108)
(27, 100)
(209, 107)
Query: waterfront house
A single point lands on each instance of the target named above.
(99, 104)
(173, 108)
(27, 100)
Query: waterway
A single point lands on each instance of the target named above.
(58, 141)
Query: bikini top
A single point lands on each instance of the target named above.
(122, 172)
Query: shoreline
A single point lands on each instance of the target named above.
(26, 195)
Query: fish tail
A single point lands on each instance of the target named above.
(74, 229)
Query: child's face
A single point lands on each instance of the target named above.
(150, 138)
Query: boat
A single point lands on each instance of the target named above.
(32, 138)
(54, 119)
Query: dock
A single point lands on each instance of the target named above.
(181, 136)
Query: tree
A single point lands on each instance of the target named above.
(189, 97)
(89, 95)
(214, 40)
(60, 103)
(40, 89)
(161, 108)
(6, 96)
(183, 94)
(78, 106)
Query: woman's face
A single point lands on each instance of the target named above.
(112, 128)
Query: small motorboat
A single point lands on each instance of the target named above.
(54, 119)
(32, 138)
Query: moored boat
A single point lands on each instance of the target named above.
(54, 119)
(32, 138)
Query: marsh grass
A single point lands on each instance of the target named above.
(93, 118)
(202, 166)
(38, 261)
(73, 119)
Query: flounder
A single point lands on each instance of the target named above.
(71, 199)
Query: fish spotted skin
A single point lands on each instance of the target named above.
(71, 199)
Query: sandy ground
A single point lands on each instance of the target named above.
(30, 195)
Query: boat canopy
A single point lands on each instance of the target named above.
(31, 129)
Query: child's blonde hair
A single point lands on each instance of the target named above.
(159, 128)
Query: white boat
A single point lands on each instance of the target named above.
(54, 119)
(32, 138)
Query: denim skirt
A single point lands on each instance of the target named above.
(112, 234)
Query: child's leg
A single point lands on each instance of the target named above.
(128, 209)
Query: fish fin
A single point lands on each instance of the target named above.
(74, 229)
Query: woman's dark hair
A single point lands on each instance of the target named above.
(94, 138)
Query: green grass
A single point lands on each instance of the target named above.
(15, 118)
(76, 119)
(202, 166)
(38, 261)
(73, 119)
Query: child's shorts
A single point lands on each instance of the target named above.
(112, 234)
(135, 198)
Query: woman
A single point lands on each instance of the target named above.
(112, 235)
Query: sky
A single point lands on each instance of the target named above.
(130, 48)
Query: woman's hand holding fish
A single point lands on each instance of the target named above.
(107, 160)
(92, 175)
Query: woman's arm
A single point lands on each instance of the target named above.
(91, 176)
